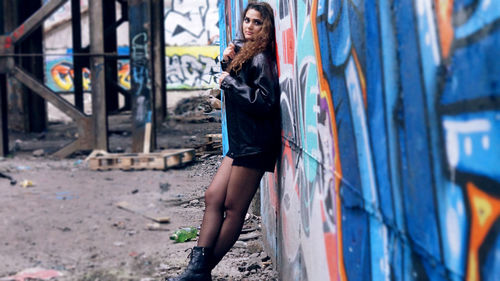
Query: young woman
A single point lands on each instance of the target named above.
(252, 96)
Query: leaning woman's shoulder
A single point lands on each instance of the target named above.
(262, 57)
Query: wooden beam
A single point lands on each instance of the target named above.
(160, 104)
(141, 72)
(97, 68)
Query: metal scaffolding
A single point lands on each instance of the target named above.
(21, 70)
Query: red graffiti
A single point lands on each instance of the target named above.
(19, 31)
(8, 42)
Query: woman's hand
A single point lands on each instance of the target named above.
(229, 52)
(222, 76)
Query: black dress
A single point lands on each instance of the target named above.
(252, 98)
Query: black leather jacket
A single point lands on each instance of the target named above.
(252, 98)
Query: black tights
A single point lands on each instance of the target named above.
(230, 193)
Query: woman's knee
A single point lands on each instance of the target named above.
(214, 198)
(235, 210)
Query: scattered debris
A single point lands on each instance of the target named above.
(248, 228)
(240, 244)
(254, 247)
(128, 207)
(23, 168)
(120, 225)
(215, 103)
(194, 202)
(180, 202)
(39, 153)
(164, 187)
(195, 105)
(184, 234)
(64, 229)
(249, 236)
(33, 274)
(26, 183)
(156, 227)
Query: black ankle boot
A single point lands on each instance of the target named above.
(199, 267)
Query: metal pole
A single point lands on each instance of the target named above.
(99, 112)
(76, 27)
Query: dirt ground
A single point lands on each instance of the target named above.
(68, 222)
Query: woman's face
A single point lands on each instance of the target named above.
(252, 24)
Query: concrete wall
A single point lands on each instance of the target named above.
(191, 36)
(391, 140)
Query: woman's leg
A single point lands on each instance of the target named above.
(242, 185)
(215, 195)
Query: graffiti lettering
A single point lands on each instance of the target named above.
(191, 22)
(188, 71)
(61, 76)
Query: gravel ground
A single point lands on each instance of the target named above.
(68, 222)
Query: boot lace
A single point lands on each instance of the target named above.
(190, 253)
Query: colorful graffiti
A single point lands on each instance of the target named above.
(191, 22)
(188, 67)
(59, 74)
(192, 67)
(391, 133)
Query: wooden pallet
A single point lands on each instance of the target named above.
(213, 137)
(212, 145)
(141, 161)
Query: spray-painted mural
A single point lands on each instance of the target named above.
(191, 36)
(391, 140)
(188, 67)
(192, 67)
(191, 22)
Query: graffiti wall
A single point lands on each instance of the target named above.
(191, 36)
(192, 67)
(59, 73)
(188, 67)
(191, 22)
(391, 140)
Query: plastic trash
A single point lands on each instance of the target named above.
(184, 234)
(26, 183)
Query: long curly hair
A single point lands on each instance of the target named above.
(263, 40)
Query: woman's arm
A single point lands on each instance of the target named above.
(260, 93)
(227, 56)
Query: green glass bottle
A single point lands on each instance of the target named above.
(184, 234)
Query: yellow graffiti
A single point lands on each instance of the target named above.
(63, 75)
(124, 76)
(207, 51)
(86, 79)
(485, 211)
